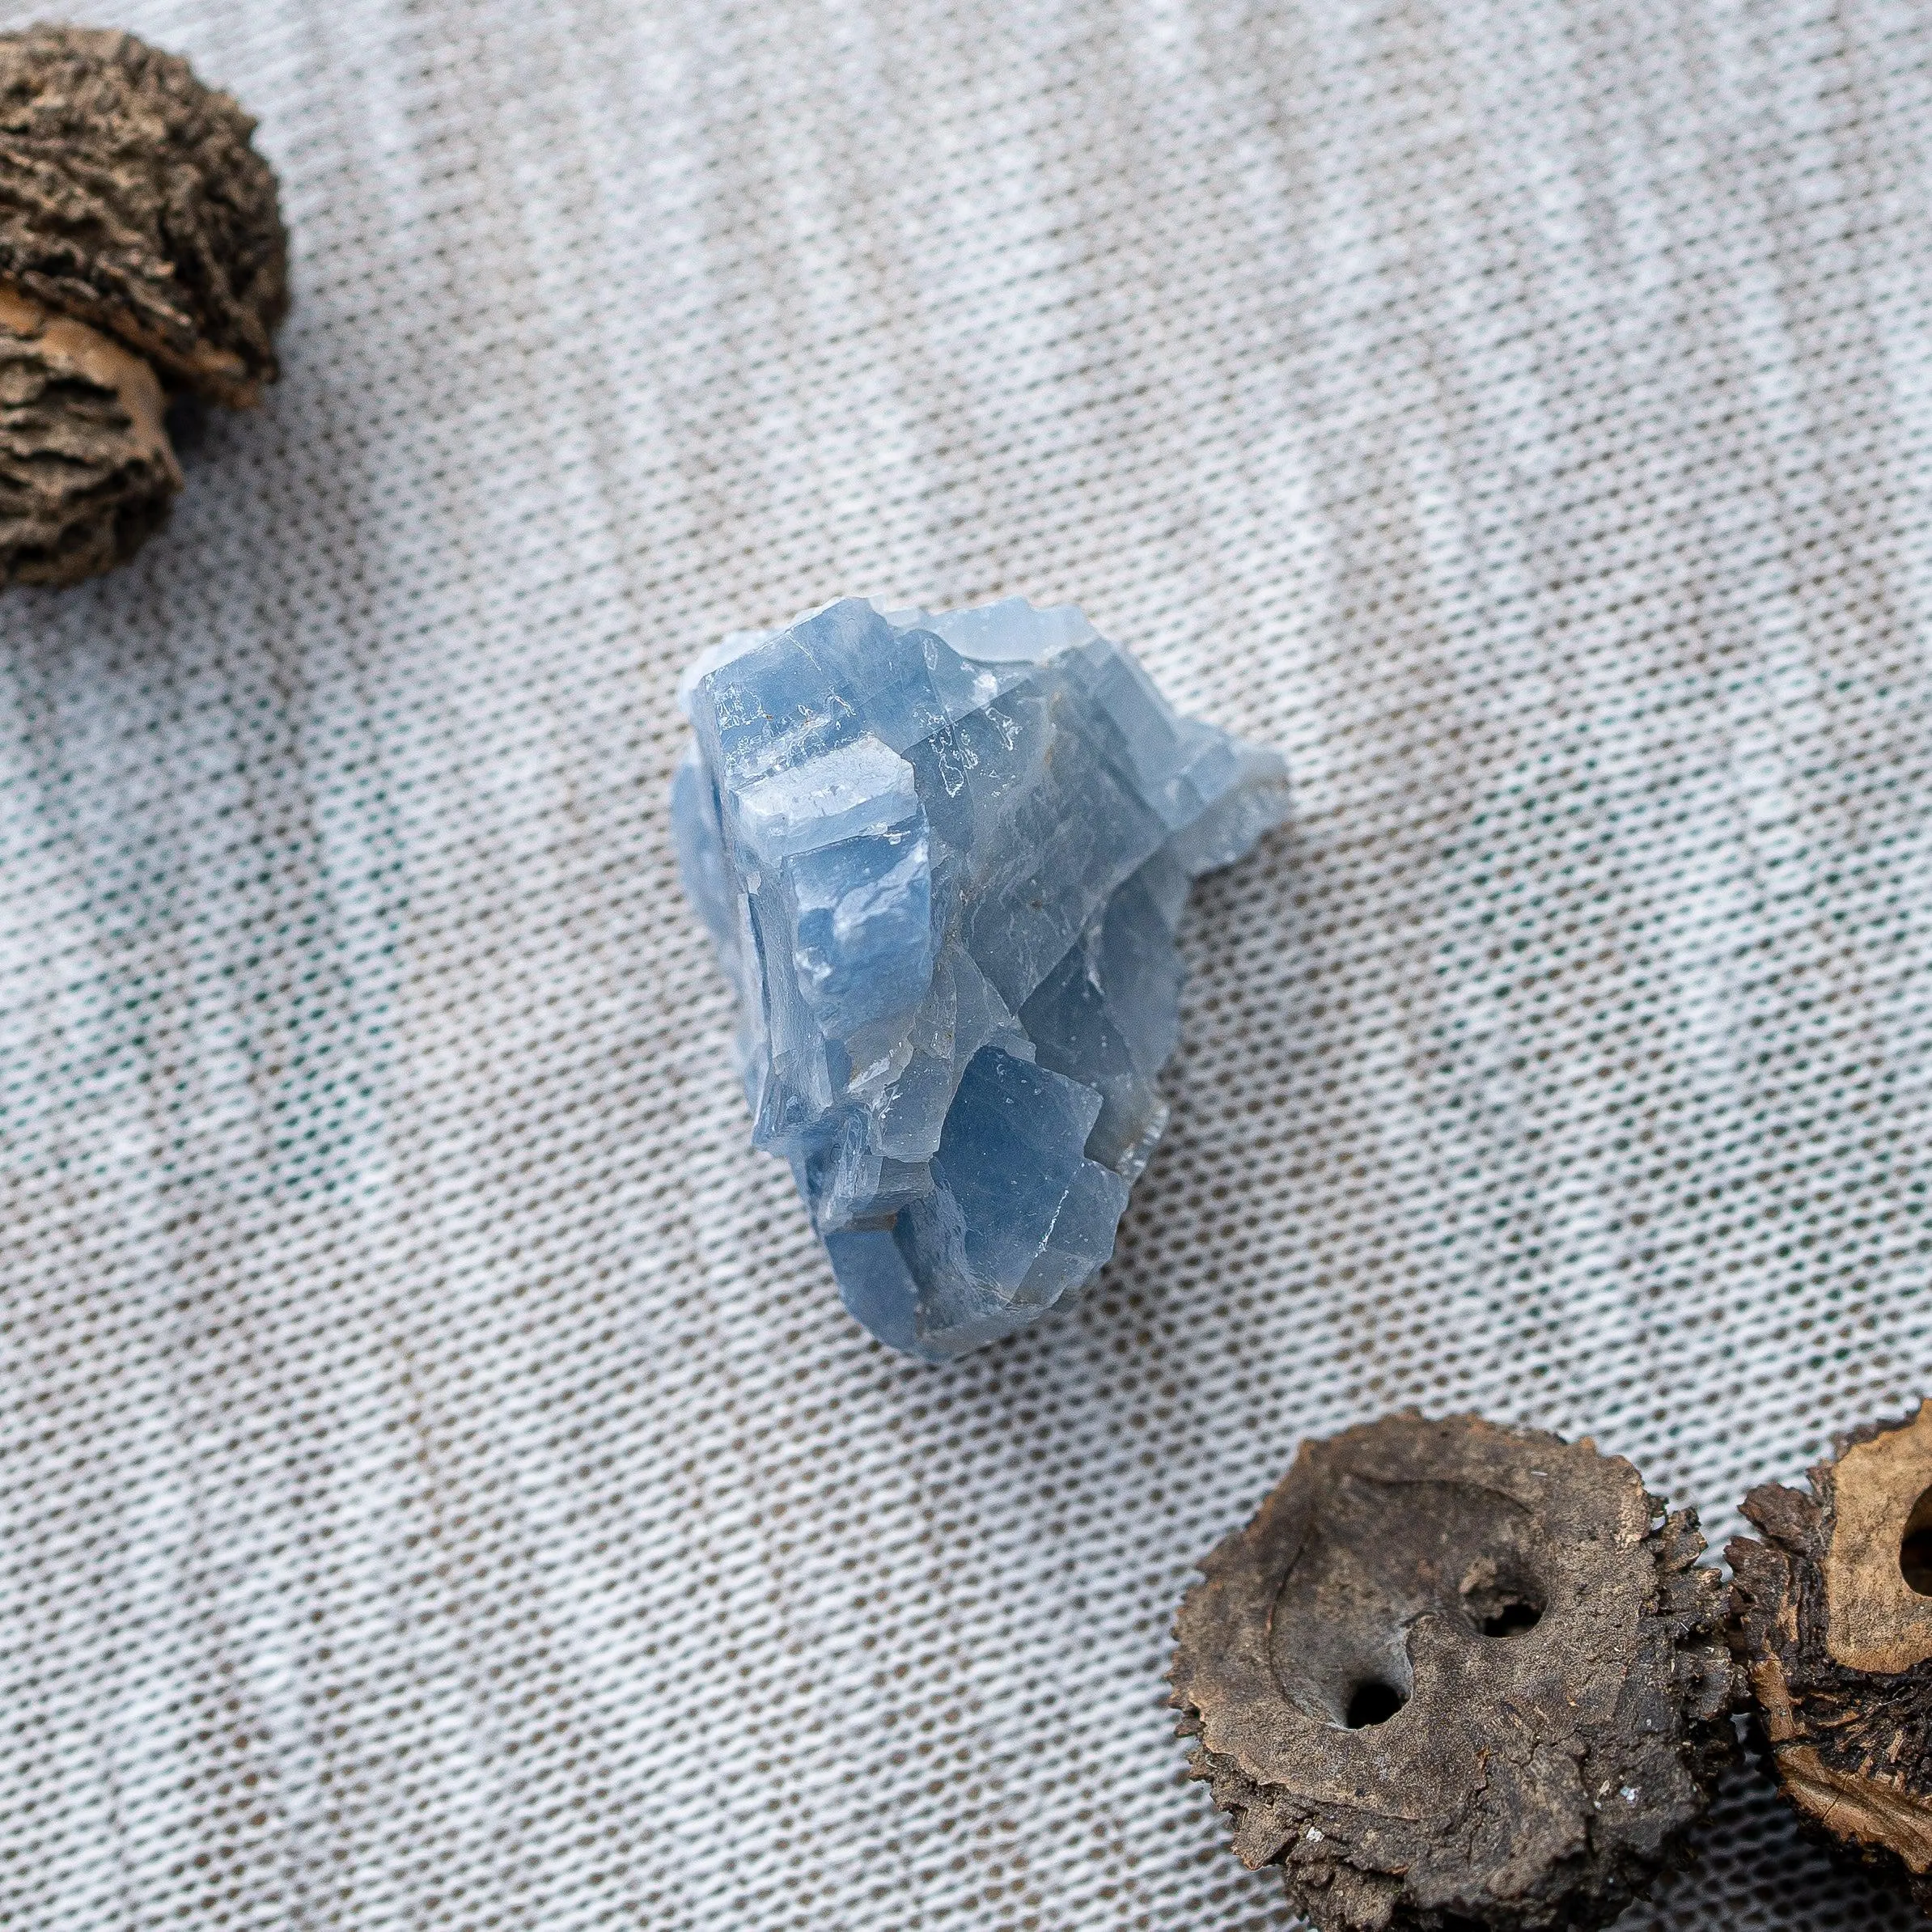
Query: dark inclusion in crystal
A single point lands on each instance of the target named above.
(943, 857)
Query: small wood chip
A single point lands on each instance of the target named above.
(1831, 1616)
(1455, 1675)
(141, 254)
(86, 470)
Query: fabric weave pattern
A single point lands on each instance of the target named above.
(440, 1486)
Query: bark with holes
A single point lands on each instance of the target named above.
(1455, 1675)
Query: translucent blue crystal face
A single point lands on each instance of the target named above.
(942, 857)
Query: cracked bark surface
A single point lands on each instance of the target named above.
(1831, 1616)
(1455, 1675)
(86, 470)
(142, 253)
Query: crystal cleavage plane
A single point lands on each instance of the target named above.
(942, 857)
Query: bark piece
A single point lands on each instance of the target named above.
(1455, 1675)
(141, 252)
(131, 199)
(1831, 1616)
(87, 471)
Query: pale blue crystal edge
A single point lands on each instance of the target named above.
(942, 856)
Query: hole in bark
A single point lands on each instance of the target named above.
(186, 422)
(1373, 1702)
(1915, 1547)
(1501, 1606)
(1507, 1618)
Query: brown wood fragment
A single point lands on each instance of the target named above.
(141, 252)
(1455, 1675)
(1831, 1615)
(86, 470)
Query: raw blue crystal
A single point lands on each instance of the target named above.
(942, 856)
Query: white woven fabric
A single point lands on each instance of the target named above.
(439, 1488)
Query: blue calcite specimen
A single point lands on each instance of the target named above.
(942, 857)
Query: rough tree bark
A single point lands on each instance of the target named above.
(1831, 1618)
(142, 253)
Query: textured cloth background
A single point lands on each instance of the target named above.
(440, 1486)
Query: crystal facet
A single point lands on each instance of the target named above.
(942, 857)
